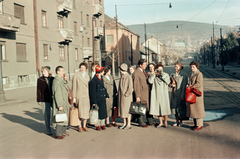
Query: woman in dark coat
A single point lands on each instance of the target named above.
(196, 110)
(99, 97)
(179, 82)
(44, 95)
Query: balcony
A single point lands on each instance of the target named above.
(97, 10)
(64, 6)
(9, 23)
(97, 55)
(87, 52)
(98, 32)
(66, 36)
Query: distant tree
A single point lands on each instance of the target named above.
(229, 49)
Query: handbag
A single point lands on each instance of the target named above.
(190, 96)
(93, 114)
(70, 96)
(73, 116)
(60, 117)
(138, 108)
(197, 92)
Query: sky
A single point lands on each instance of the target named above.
(222, 12)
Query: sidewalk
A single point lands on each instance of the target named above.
(229, 70)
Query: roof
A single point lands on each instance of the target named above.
(110, 23)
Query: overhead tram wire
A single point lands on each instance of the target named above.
(223, 11)
(199, 13)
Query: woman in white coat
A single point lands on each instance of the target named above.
(160, 105)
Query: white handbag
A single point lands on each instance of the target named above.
(60, 118)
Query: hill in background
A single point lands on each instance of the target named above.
(167, 31)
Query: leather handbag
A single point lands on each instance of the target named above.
(73, 116)
(190, 96)
(138, 108)
(60, 118)
(70, 96)
(197, 92)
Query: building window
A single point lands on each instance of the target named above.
(87, 18)
(61, 53)
(88, 40)
(75, 28)
(82, 41)
(109, 39)
(74, 4)
(101, 24)
(3, 50)
(45, 52)
(1, 7)
(19, 12)
(21, 52)
(44, 18)
(5, 80)
(81, 18)
(76, 54)
(22, 79)
(60, 22)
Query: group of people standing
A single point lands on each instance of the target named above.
(99, 90)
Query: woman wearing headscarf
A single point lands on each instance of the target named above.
(125, 90)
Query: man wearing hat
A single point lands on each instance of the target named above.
(125, 90)
(99, 97)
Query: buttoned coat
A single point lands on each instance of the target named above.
(141, 87)
(80, 90)
(60, 98)
(196, 110)
(110, 85)
(180, 90)
(44, 89)
(98, 95)
(125, 91)
(160, 104)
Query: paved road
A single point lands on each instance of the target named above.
(22, 134)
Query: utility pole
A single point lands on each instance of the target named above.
(213, 51)
(117, 39)
(36, 36)
(2, 93)
(204, 55)
(145, 30)
(221, 49)
(131, 52)
(148, 53)
(93, 40)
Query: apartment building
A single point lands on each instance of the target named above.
(36, 33)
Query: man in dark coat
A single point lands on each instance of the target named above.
(141, 90)
(99, 97)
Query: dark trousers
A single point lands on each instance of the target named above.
(60, 129)
(144, 119)
(46, 109)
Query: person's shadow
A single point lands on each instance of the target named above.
(32, 124)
